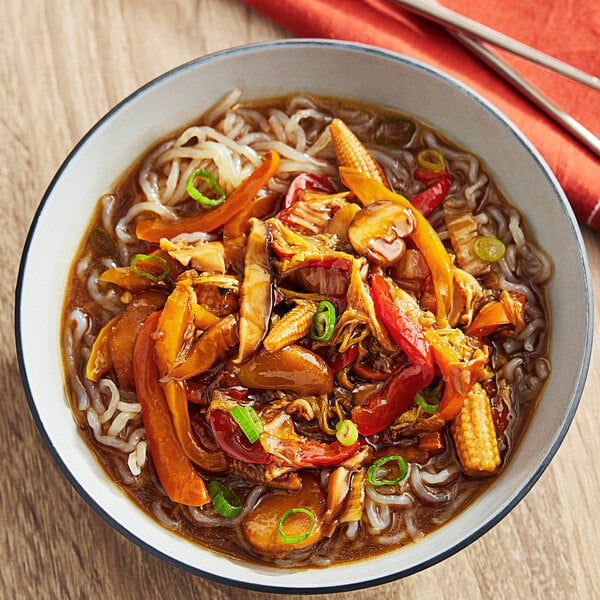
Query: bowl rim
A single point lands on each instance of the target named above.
(501, 511)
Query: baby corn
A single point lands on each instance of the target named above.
(475, 436)
(351, 152)
(291, 327)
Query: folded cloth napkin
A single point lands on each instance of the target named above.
(569, 31)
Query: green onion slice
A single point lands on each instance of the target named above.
(136, 267)
(346, 432)
(395, 132)
(248, 420)
(323, 322)
(490, 249)
(102, 243)
(428, 400)
(192, 190)
(382, 461)
(299, 538)
(431, 159)
(224, 499)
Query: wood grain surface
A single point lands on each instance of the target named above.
(63, 64)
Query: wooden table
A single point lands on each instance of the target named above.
(63, 64)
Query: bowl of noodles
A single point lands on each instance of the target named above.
(299, 321)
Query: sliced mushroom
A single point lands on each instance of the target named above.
(378, 231)
(256, 292)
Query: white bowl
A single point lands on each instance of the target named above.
(264, 70)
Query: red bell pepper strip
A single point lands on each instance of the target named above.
(175, 472)
(428, 199)
(306, 181)
(343, 359)
(232, 440)
(152, 230)
(424, 174)
(319, 454)
(404, 331)
(384, 407)
(301, 452)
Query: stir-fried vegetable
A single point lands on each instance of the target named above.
(346, 432)
(294, 539)
(308, 320)
(428, 199)
(431, 159)
(256, 293)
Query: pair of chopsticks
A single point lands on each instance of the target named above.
(471, 34)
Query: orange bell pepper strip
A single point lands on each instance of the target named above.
(433, 441)
(177, 401)
(100, 361)
(175, 472)
(459, 375)
(176, 320)
(260, 208)
(424, 237)
(152, 230)
(509, 310)
(203, 318)
(210, 347)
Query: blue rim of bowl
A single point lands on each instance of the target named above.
(501, 511)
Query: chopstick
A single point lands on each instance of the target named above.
(457, 24)
(452, 20)
(585, 136)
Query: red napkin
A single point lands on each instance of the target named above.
(569, 31)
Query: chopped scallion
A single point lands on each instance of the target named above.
(298, 538)
(490, 249)
(323, 322)
(248, 420)
(372, 472)
(431, 159)
(346, 432)
(395, 132)
(224, 499)
(102, 243)
(139, 259)
(193, 191)
(428, 400)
